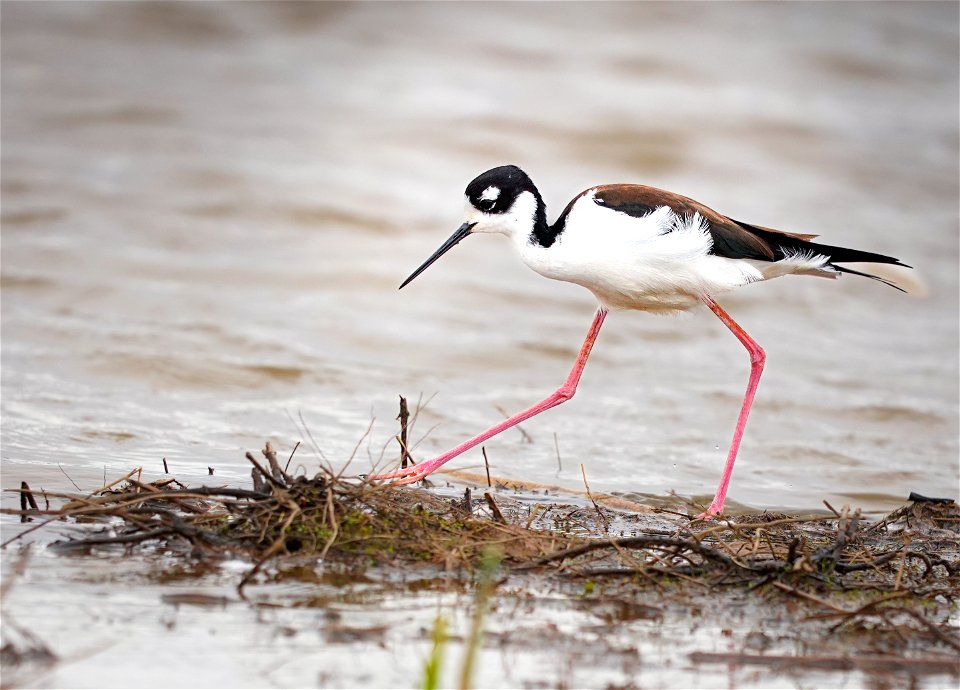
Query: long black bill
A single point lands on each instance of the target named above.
(455, 238)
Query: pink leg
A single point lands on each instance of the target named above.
(757, 358)
(562, 394)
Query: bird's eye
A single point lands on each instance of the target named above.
(486, 204)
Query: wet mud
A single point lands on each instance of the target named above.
(630, 597)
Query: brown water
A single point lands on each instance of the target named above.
(206, 210)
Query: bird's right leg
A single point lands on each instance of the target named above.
(562, 394)
(757, 359)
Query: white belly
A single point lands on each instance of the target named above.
(659, 262)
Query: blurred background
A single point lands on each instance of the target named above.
(207, 209)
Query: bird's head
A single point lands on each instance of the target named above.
(502, 200)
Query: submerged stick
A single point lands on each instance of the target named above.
(26, 498)
(30, 499)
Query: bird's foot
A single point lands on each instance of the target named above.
(407, 475)
(710, 513)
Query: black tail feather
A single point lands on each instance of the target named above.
(785, 245)
(844, 255)
(844, 269)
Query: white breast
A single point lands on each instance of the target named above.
(659, 262)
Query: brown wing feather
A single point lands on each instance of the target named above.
(730, 239)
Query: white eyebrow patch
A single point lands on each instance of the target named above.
(490, 194)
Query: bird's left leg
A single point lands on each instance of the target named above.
(757, 358)
(562, 394)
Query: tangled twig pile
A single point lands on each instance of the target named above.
(904, 562)
(323, 517)
(901, 573)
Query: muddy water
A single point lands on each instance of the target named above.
(206, 210)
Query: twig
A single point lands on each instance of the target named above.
(425, 436)
(809, 597)
(287, 466)
(404, 416)
(486, 464)
(26, 498)
(831, 508)
(917, 498)
(27, 531)
(24, 488)
(497, 515)
(166, 470)
(757, 525)
(107, 487)
(653, 542)
(316, 447)
(421, 406)
(92, 506)
(355, 449)
(334, 524)
(842, 567)
(132, 538)
(259, 483)
(271, 455)
(263, 472)
(405, 452)
(903, 564)
(603, 519)
(161, 494)
(69, 477)
(936, 631)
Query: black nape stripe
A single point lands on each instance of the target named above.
(545, 235)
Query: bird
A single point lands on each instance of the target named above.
(636, 248)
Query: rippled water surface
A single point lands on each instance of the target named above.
(207, 208)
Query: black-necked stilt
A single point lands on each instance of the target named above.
(636, 247)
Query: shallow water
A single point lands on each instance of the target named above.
(206, 210)
(206, 214)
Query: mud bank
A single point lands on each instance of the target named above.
(488, 584)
